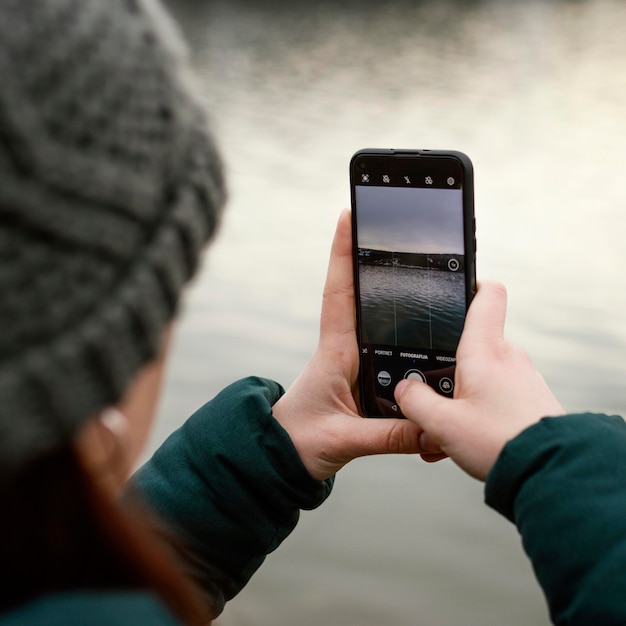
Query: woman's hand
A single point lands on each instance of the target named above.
(319, 410)
(498, 391)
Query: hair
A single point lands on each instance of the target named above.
(60, 531)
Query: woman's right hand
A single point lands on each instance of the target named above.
(498, 391)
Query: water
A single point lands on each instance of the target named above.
(535, 93)
(412, 307)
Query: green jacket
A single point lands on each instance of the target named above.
(92, 609)
(562, 482)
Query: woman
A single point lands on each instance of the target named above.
(110, 185)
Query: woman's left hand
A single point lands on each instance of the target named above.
(319, 410)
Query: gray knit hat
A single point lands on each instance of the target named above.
(109, 186)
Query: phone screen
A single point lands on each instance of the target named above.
(413, 229)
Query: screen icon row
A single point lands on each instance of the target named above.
(445, 384)
(428, 180)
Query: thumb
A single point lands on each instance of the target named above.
(423, 406)
(338, 300)
(383, 436)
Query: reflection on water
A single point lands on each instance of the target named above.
(535, 93)
(411, 307)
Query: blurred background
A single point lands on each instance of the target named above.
(535, 93)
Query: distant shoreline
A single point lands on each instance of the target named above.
(385, 258)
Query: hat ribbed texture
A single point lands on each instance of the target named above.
(109, 187)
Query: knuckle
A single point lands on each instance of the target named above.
(401, 439)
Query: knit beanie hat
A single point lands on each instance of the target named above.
(110, 184)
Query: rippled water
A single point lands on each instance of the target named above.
(417, 308)
(535, 93)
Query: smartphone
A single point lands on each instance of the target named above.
(414, 251)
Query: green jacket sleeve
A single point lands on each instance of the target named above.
(229, 485)
(563, 483)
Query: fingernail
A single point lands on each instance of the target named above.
(400, 389)
(428, 444)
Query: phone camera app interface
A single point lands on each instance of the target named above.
(410, 240)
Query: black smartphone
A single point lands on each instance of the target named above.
(414, 250)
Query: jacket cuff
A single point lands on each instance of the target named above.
(551, 441)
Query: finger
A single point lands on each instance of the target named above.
(382, 436)
(428, 444)
(486, 316)
(423, 406)
(433, 458)
(338, 300)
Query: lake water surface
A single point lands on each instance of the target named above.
(411, 307)
(535, 94)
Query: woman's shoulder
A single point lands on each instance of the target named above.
(106, 608)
